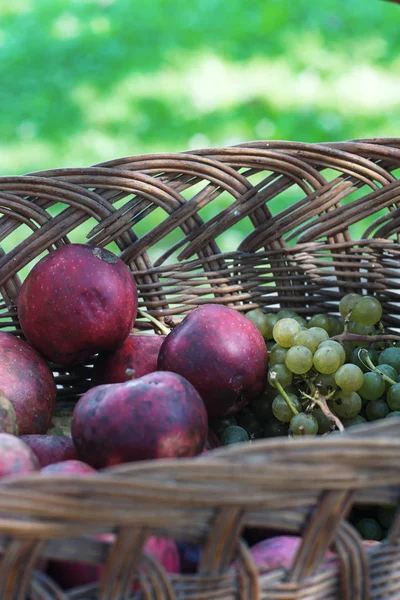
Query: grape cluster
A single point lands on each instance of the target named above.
(325, 374)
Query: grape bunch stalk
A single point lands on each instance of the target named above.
(325, 374)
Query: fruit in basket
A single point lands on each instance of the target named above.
(220, 352)
(70, 574)
(159, 415)
(279, 552)
(8, 417)
(16, 457)
(212, 440)
(77, 301)
(68, 467)
(27, 381)
(50, 449)
(139, 353)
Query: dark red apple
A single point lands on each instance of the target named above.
(68, 467)
(51, 449)
(16, 457)
(138, 353)
(221, 353)
(27, 381)
(159, 415)
(77, 301)
(74, 574)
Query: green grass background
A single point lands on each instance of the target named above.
(83, 81)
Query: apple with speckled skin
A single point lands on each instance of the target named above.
(138, 354)
(28, 383)
(50, 449)
(77, 301)
(222, 354)
(159, 415)
(16, 458)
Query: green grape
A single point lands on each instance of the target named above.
(347, 302)
(306, 338)
(390, 372)
(284, 332)
(259, 319)
(220, 424)
(346, 405)
(277, 354)
(338, 347)
(367, 311)
(325, 383)
(262, 407)
(356, 360)
(373, 386)
(283, 375)
(394, 413)
(304, 424)
(349, 378)
(246, 418)
(326, 360)
(275, 429)
(270, 319)
(386, 515)
(254, 430)
(233, 435)
(299, 360)
(320, 320)
(270, 344)
(390, 356)
(320, 335)
(324, 423)
(366, 330)
(393, 397)
(287, 314)
(369, 529)
(376, 409)
(301, 321)
(281, 409)
(357, 420)
(336, 325)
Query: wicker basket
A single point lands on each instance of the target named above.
(308, 212)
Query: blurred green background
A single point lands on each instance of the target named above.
(83, 81)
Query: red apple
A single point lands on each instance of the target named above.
(77, 301)
(50, 449)
(222, 354)
(27, 381)
(16, 457)
(139, 353)
(67, 467)
(73, 574)
(159, 415)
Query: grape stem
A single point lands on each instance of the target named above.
(165, 330)
(321, 401)
(358, 337)
(282, 392)
(366, 360)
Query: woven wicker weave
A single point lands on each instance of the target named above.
(308, 212)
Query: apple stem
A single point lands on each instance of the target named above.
(130, 373)
(282, 392)
(165, 330)
(366, 360)
(170, 322)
